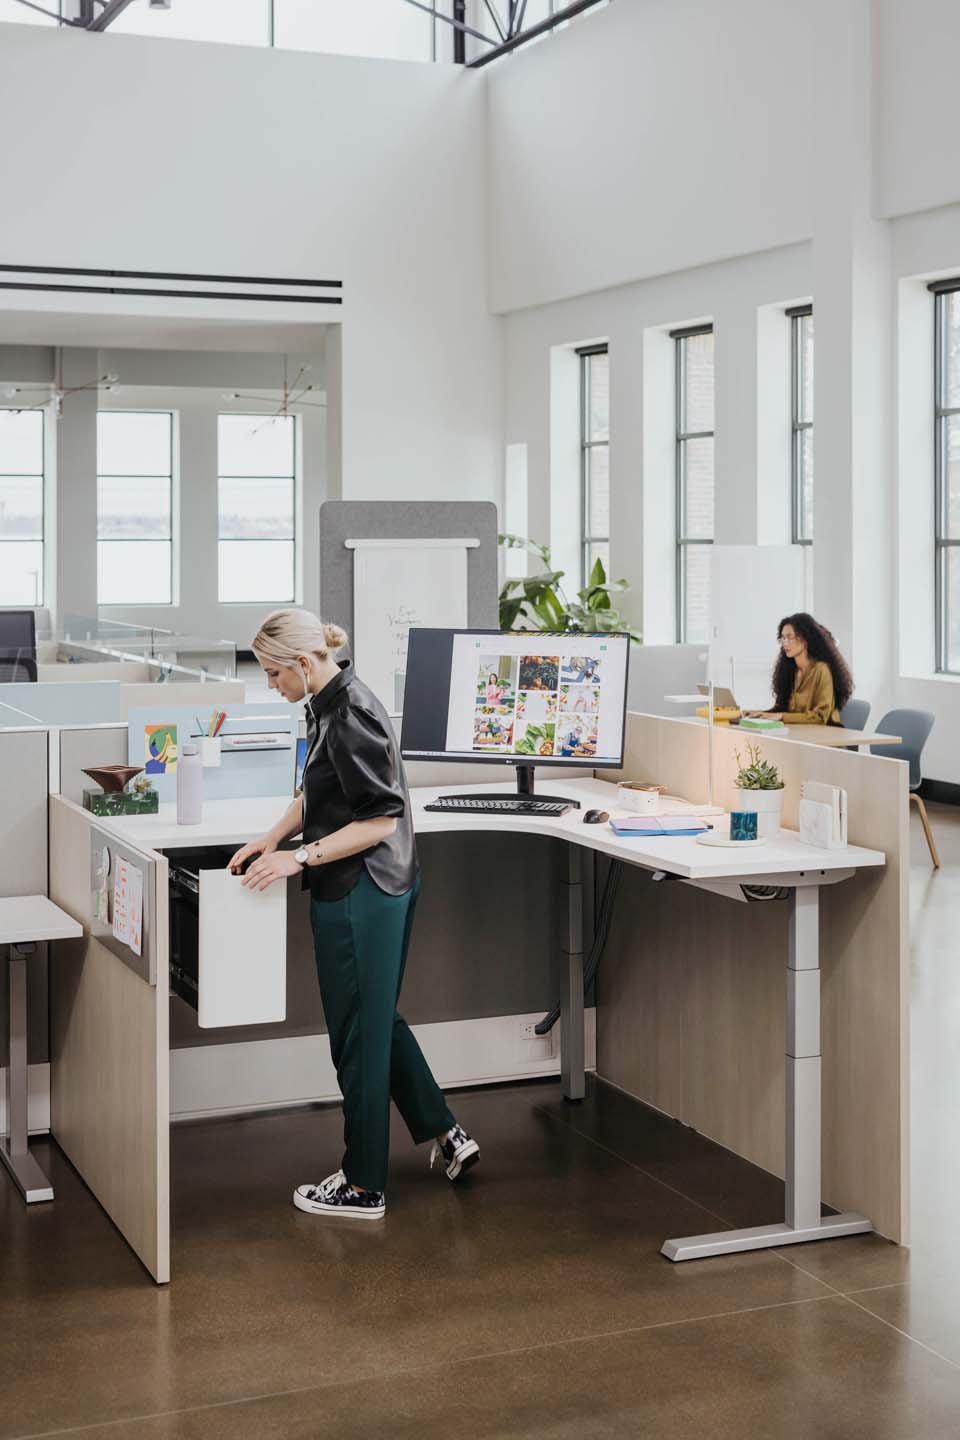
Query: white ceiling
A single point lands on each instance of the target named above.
(158, 332)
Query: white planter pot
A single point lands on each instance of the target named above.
(768, 806)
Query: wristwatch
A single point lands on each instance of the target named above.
(302, 855)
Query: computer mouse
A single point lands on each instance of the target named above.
(595, 817)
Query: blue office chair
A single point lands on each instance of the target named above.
(855, 714)
(914, 727)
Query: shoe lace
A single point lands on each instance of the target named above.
(331, 1185)
(435, 1153)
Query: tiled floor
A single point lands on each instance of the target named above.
(530, 1301)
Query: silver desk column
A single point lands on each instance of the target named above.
(572, 1058)
(802, 1219)
(30, 1179)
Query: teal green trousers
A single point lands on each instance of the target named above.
(361, 947)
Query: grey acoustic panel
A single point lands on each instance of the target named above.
(342, 520)
(23, 865)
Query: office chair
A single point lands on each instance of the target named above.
(17, 667)
(855, 714)
(914, 726)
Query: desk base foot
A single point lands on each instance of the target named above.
(763, 1237)
(28, 1177)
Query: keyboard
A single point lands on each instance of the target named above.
(490, 806)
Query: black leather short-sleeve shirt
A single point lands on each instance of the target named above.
(353, 771)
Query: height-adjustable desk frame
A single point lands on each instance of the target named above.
(785, 868)
(26, 921)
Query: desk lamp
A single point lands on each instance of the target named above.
(710, 808)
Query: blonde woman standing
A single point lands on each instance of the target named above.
(359, 861)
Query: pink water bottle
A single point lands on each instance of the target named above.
(189, 786)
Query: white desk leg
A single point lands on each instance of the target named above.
(572, 1058)
(803, 1220)
(30, 1179)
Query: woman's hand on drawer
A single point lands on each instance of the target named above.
(278, 865)
(264, 846)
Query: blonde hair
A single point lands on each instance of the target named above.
(287, 634)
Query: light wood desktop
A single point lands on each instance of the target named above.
(834, 736)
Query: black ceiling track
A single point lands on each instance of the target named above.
(178, 287)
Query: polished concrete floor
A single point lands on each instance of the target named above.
(530, 1301)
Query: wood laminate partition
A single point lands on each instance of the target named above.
(692, 993)
(109, 1051)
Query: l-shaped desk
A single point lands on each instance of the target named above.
(783, 869)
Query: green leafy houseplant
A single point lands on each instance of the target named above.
(757, 774)
(539, 602)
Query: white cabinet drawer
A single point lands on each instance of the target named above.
(228, 944)
(242, 955)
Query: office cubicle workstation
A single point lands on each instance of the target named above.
(698, 947)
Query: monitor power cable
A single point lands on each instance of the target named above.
(604, 917)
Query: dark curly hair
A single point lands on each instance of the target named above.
(820, 646)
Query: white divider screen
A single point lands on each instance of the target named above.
(752, 588)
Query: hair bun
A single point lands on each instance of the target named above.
(335, 636)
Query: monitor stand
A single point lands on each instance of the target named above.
(524, 791)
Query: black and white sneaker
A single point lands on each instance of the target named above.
(458, 1150)
(336, 1196)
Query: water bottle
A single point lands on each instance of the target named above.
(189, 786)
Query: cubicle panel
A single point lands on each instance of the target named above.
(66, 703)
(692, 995)
(63, 672)
(23, 864)
(82, 748)
(109, 1062)
(212, 694)
(13, 718)
(254, 752)
(657, 671)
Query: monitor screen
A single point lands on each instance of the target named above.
(521, 698)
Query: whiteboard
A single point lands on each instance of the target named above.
(398, 584)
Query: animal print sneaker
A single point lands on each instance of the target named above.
(336, 1196)
(458, 1150)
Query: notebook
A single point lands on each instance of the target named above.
(653, 825)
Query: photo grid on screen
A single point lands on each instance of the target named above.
(545, 706)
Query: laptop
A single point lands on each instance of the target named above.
(723, 699)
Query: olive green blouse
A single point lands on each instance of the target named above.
(813, 701)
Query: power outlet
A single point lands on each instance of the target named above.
(533, 1047)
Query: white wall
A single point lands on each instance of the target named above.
(223, 160)
(917, 46)
(651, 137)
(731, 294)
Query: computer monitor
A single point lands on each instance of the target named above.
(523, 699)
(18, 645)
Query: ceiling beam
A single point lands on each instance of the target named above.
(108, 14)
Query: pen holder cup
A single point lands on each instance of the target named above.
(743, 825)
(210, 751)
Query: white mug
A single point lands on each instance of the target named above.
(639, 799)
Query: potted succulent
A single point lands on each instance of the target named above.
(760, 788)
